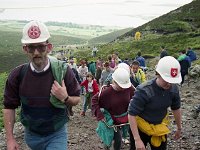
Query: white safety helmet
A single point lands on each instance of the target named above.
(122, 78)
(35, 32)
(169, 69)
(125, 66)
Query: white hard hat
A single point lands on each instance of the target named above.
(35, 32)
(169, 69)
(122, 78)
(125, 66)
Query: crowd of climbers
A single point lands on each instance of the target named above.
(117, 92)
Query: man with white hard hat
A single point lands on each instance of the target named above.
(43, 88)
(148, 107)
(115, 99)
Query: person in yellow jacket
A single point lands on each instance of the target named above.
(137, 74)
(148, 108)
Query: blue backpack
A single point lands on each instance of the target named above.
(192, 55)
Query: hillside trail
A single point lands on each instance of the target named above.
(82, 134)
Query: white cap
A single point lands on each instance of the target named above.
(122, 78)
(35, 32)
(169, 69)
(125, 66)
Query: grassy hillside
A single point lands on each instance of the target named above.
(184, 19)
(3, 77)
(108, 37)
(175, 30)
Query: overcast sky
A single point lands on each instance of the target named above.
(124, 13)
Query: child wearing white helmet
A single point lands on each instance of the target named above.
(149, 105)
(115, 100)
(120, 65)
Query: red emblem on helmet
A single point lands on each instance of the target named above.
(174, 72)
(34, 32)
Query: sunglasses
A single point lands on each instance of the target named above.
(40, 48)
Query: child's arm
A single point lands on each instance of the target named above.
(95, 87)
(83, 83)
(96, 108)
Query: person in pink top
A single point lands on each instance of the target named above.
(91, 88)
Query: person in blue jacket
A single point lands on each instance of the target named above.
(192, 55)
(140, 59)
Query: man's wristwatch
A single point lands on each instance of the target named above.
(66, 99)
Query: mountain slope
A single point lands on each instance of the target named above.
(108, 37)
(184, 19)
(175, 30)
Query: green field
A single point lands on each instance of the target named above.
(65, 29)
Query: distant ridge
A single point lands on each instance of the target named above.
(184, 19)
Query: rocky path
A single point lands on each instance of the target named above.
(82, 135)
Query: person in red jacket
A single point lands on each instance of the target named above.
(91, 88)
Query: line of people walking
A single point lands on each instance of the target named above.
(123, 102)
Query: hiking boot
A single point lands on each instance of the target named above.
(106, 147)
(125, 141)
(195, 114)
(82, 113)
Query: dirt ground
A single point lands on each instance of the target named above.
(82, 135)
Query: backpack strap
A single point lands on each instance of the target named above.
(59, 69)
(103, 88)
(23, 71)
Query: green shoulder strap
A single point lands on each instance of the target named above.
(59, 69)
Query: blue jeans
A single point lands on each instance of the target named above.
(54, 141)
(87, 101)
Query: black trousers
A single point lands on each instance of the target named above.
(117, 140)
(183, 77)
(146, 139)
(198, 109)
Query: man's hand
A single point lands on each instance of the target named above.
(177, 134)
(59, 91)
(104, 120)
(12, 144)
(139, 145)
